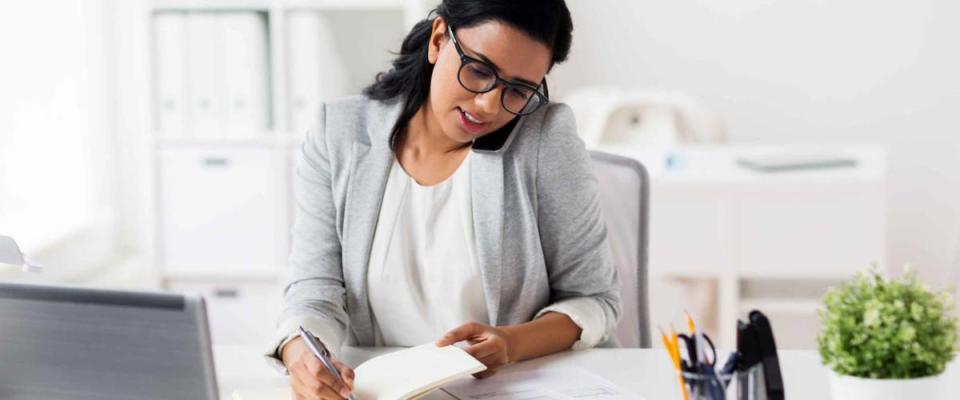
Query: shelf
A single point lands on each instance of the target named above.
(345, 5)
(265, 140)
(211, 5)
(176, 143)
(264, 5)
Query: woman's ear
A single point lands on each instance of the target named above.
(437, 37)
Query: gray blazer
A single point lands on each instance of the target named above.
(540, 237)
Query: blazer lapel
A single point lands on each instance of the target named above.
(487, 188)
(369, 170)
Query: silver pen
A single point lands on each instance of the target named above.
(320, 351)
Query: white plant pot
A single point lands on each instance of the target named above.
(853, 388)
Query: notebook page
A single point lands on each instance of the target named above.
(411, 372)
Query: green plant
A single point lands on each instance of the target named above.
(874, 327)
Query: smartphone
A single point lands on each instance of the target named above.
(494, 142)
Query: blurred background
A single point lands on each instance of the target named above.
(790, 144)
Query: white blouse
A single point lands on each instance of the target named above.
(423, 278)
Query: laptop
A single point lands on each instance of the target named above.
(84, 344)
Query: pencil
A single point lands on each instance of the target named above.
(673, 347)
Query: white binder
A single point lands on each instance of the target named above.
(205, 77)
(170, 99)
(314, 70)
(245, 74)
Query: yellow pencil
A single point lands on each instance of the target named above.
(690, 324)
(671, 351)
(673, 346)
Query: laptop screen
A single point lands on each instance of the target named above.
(71, 343)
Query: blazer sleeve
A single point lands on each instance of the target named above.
(315, 296)
(572, 232)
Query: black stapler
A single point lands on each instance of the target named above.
(756, 346)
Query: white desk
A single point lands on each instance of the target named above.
(643, 371)
(712, 220)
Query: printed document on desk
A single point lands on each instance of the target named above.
(563, 383)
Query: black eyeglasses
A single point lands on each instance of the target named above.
(480, 77)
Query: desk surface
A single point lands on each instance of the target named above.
(643, 371)
(717, 164)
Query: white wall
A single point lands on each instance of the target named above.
(806, 71)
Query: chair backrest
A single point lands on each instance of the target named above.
(624, 198)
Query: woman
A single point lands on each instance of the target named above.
(450, 203)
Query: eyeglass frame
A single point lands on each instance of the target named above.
(465, 59)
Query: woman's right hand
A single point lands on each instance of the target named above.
(310, 379)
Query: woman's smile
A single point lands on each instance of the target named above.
(471, 123)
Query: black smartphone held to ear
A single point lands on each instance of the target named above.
(495, 142)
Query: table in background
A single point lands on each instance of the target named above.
(758, 234)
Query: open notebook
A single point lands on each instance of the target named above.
(405, 374)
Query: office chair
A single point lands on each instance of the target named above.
(624, 201)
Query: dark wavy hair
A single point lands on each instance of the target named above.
(546, 21)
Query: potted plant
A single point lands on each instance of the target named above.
(886, 338)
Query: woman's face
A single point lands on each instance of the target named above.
(517, 57)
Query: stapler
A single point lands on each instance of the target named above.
(758, 364)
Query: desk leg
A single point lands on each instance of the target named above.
(728, 297)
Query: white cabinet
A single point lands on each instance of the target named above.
(217, 211)
(239, 312)
(689, 233)
(826, 233)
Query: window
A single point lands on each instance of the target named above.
(55, 122)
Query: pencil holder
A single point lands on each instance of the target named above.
(713, 386)
(707, 385)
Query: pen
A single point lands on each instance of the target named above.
(698, 340)
(694, 350)
(320, 351)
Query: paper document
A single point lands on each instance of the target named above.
(561, 383)
(405, 374)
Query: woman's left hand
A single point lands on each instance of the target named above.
(490, 345)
